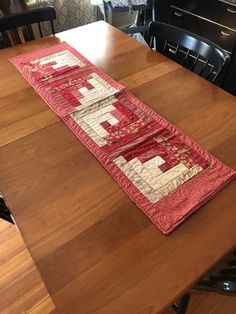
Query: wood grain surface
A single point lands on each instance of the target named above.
(211, 303)
(21, 287)
(95, 250)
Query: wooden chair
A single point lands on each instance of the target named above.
(190, 50)
(26, 18)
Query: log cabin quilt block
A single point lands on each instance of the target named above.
(165, 173)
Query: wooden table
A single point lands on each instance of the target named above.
(96, 251)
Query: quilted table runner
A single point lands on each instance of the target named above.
(164, 172)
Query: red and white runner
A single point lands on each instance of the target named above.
(163, 171)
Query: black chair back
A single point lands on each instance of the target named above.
(190, 50)
(9, 25)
